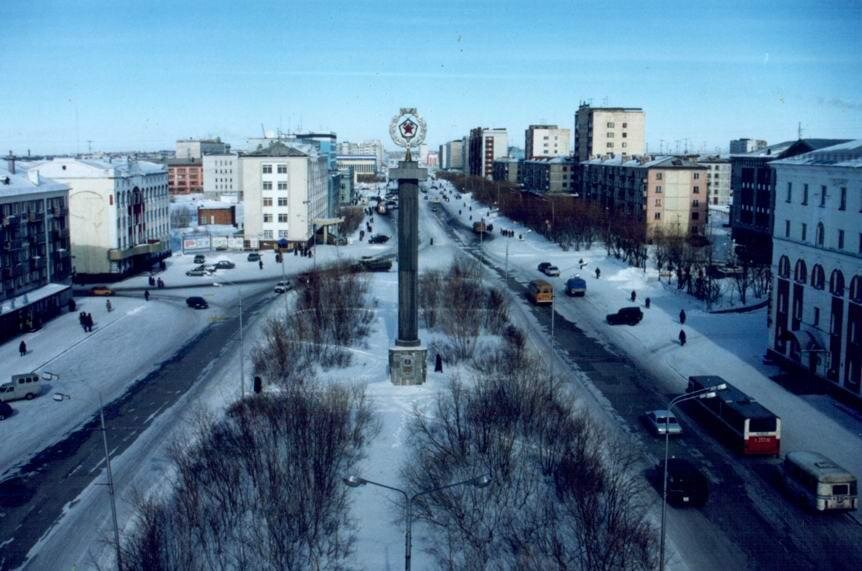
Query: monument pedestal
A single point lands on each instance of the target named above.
(408, 365)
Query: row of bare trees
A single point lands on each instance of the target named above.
(565, 494)
(259, 488)
(330, 312)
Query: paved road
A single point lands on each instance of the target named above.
(58, 474)
(748, 522)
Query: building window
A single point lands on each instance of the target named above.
(787, 228)
(696, 190)
(695, 215)
(282, 201)
(816, 316)
(695, 203)
(610, 145)
(610, 135)
(818, 277)
(282, 233)
(267, 201)
(658, 201)
(841, 239)
(657, 216)
(282, 217)
(282, 185)
(860, 243)
(789, 192)
(658, 190)
(267, 169)
(819, 235)
(842, 205)
(282, 169)
(658, 176)
(804, 194)
(822, 196)
(625, 135)
(267, 185)
(625, 144)
(610, 125)
(267, 217)
(804, 232)
(696, 175)
(267, 234)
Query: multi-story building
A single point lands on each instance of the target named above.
(285, 195)
(346, 191)
(185, 176)
(816, 313)
(35, 258)
(508, 170)
(365, 148)
(221, 175)
(543, 176)
(197, 148)
(717, 180)
(358, 165)
(600, 131)
(753, 186)
(666, 193)
(484, 146)
(546, 141)
(224, 215)
(743, 146)
(452, 155)
(119, 214)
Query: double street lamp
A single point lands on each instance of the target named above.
(356, 481)
(704, 393)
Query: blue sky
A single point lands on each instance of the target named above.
(139, 75)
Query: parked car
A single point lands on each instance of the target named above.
(626, 316)
(661, 421)
(378, 239)
(101, 290)
(552, 271)
(197, 302)
(283, 287)
(686, 485)
(372, 264)
(196, 272)
(576, 286)
(27, 386)
(225, 265)
(253, 257)
(200, 258)
(5, 411)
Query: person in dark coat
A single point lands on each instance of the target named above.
(598, 273)
(146, 295)
(152, 281)
(260, 264)
(89, 322)
(647, 302)
(634, 296)
(160, 283)
(681, 337)
(438, 364)
(22, 348)
(682, 317)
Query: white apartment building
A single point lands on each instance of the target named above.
(197, 148)
(119, 220)
(816, 312)
(221, 174)
(546, 141)
(485, 145)
(372, 147)
(284, 194)
(452, 155)
(717, 180)
(601, 131)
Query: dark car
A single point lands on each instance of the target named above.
(197, 302)
(544, 266)
(626, 316)
(253, 257)
(378, 239)
(372, 264)
(200, 258)
(5, 411)
(225, 265)
(686, 485)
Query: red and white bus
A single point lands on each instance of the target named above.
(751, 427)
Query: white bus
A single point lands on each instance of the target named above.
(818, 482)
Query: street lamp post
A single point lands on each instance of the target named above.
(59, 397)
(356, 481)
(705, 393)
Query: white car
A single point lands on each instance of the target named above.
(661, 421)
(283, 287)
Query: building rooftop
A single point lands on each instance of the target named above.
(24, 182)
(276, 149)
(183, 162)
(646, 161)
(70, 167)
(791, 148)
(847, 154)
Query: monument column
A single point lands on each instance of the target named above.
(407, 358)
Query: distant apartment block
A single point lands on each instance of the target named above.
(486, 145)
(507, 170)
(743, 146)
(221, 174)
(197, 148)
(546, 141)
(548, 176)
(602, 131)
(185, 176)
(372, 147)
(753, 187)
(717, 180)
(119, 222)
(816, 315)
(663, 193)
(35, 255)
(358, 165)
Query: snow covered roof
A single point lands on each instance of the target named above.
(847, 154)
(665, 162)
(276, 149)
(25, 182)
(791, 148)
(70, 167)
(29, 297)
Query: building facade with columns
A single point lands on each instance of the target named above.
(815, 323)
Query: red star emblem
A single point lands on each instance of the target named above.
(408, 129)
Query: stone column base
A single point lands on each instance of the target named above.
(407, 365)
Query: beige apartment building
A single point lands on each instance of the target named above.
(601, 131)
(485, 145)
(546, 141)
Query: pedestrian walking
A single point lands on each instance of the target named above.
(159, 283)
(89, 322)
(72, 305)
(146, 295)
(438, 364)
(108, 305)
(634, 296)
(260, 264)
(681, 337)
(598, 273)
(682, 317)
(152, 281)
(22, 348)
(647, 302)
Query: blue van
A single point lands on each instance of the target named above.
(576, 287)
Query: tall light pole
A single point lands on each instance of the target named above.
(705, 393)
(241, 335)
(356, 481)
(59, 397)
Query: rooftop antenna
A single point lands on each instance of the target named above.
(799, 130)
(90, 146)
